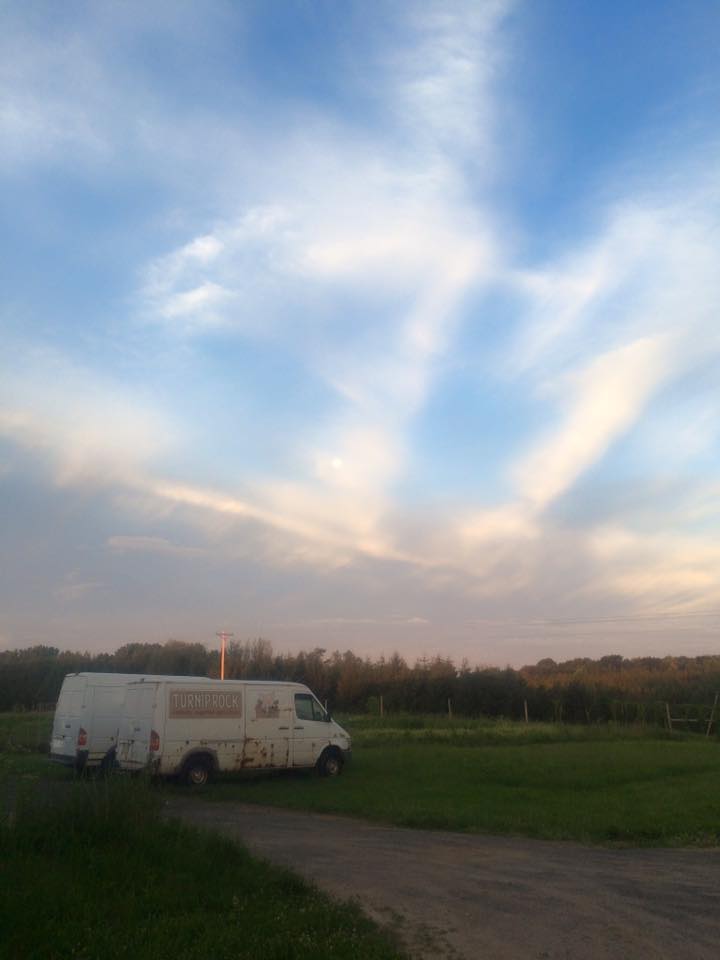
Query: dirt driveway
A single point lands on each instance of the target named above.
(491, 898)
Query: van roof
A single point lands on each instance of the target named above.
(249, 683)
(90, 675)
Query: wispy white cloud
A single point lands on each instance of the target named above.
(199, 302)
(379, 621)
(442, 80)
(121, 543)
(75, 587)
(605, 334)
(94, 430)
(607, 398)
(355, 220)
(73, 92)
(648, 271)
(669, 571)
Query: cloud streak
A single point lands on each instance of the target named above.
(608, 397)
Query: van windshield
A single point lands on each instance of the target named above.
(307, 708)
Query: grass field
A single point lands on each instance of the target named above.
(24, 739)
(604, 784)
(598, 784)
(90, 871)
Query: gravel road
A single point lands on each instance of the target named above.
(492, 898)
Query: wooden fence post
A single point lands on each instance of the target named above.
(526, 711)
(712, 716)
(449, 709)
(669, 718)
(382, 706)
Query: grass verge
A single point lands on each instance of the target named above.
(633, 786)
(597, 784)
(103, 876)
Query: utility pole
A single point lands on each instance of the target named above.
(223, 637)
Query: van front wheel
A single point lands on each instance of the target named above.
(330, 764)
(197, 772)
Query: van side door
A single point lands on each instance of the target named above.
(268, 722)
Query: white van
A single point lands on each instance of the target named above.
(180, 728)
(87, 717)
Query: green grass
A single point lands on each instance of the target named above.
(26, 732)
(89, 870)
(100, 876)
(593, 784)
(598, 784)
(372, 731)
(24, 742)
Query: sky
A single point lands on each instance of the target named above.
(387, 326)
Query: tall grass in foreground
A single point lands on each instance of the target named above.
(102, 876)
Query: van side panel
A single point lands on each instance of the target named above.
(208, 719)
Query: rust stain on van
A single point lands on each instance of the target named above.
(255, 753)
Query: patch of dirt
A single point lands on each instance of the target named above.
(491, 898)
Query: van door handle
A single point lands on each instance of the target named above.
(283, 728)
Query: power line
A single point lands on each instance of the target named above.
(554, 621)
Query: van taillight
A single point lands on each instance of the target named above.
(154, 740)
(82, 737)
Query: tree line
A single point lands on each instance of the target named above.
(612, 688)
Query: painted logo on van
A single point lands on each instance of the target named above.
(267, 707)
(204, 703)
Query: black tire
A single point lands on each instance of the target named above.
(197, 772)
(330, 764)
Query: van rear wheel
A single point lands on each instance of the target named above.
(197, 772)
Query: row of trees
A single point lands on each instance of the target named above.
(575, 691)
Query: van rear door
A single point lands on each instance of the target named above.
(66, 723)
(108, 701)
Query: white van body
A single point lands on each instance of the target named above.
(87, 717)
(180, 728)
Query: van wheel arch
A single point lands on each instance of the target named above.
(330, 763)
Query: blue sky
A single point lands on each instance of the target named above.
(387, 326)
